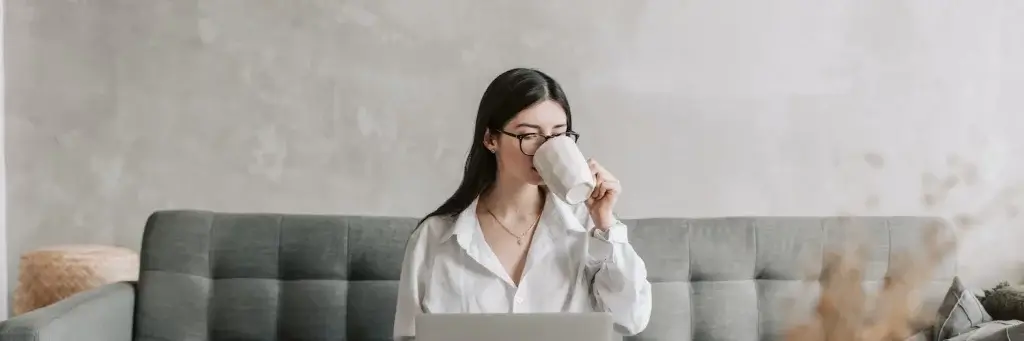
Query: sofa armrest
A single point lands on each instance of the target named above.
(105, 313)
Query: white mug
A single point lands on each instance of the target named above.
(564, 170)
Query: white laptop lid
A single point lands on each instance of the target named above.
(516, 327)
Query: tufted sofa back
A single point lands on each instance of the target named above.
(230, 276)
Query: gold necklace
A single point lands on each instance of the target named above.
(519, 238)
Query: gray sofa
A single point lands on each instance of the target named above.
(221, 276)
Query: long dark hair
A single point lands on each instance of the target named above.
(509, 93)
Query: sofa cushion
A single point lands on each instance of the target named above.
(993, 331)
(221, 276)
(753, 278)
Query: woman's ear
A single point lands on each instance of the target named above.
(490, 142)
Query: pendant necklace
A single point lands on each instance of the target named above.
(519, 238)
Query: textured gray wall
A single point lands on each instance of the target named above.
(116, 108)
(3, 181)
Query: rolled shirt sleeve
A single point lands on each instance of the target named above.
(620, 284)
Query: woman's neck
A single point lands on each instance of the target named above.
(514, 200)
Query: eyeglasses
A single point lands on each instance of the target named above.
(528, 143)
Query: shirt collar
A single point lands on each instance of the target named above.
(466, 222)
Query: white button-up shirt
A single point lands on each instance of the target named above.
(450, 268)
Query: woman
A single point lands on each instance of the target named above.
(502, 244)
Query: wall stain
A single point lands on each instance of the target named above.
(874, 160)
(269, 154)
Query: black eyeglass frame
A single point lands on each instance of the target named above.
(571, 134)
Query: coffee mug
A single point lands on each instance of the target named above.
(564, 170)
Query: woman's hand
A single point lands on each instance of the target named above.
(605, 195)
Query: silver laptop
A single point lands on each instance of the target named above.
(516, 327)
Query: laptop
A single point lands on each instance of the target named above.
(516, 327)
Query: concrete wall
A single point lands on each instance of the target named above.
(117, 108)
(3, 181)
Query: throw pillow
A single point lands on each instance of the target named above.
(959, 312)
(1005, 302)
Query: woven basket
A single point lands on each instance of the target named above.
(51, 274)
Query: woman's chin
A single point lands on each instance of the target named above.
(533, 177)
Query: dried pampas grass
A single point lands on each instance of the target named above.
(844, 312)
